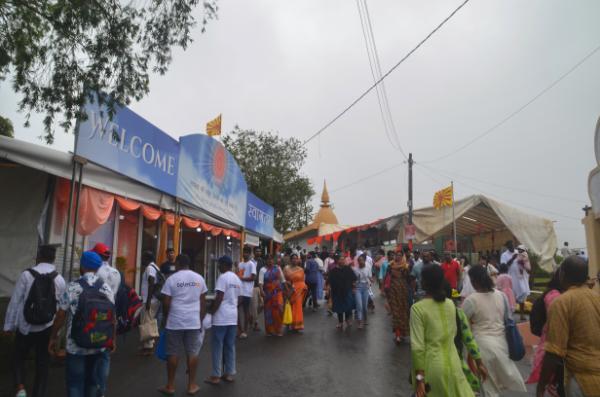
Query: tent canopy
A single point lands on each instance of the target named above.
(476, 214)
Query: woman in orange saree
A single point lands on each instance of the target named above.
(271, 281)
(295, 276)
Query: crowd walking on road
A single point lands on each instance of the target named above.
(455, 316)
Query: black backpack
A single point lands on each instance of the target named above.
(537, 317)
(40, 306)
(93, 322)
(159, 282)
(128, 306)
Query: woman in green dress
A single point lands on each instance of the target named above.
(437, 368)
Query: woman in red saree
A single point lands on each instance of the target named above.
(295, 276)
(271, 281)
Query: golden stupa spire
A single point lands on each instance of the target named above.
(325, 195)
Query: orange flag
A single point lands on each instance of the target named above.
(214, 127)
(443, 198)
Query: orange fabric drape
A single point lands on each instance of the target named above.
(336, 236)
(231, 233)
(170, 218)
(148, 212)
(191, 223)
(311, 241)
(127, 205)
(95, 207)
(318, 240)
(216, 231)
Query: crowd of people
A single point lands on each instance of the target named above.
(454, 314)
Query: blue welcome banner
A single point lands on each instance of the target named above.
(197, 168)
(129, 145)
(259, 216)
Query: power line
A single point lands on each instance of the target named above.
(361, 96)
(503, 199)
(375, 74)
(367, 177)
(386, 102)
(509, 188)
(517, 111)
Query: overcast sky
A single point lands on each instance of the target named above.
(290, 67)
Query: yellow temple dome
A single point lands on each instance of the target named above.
(325, 214)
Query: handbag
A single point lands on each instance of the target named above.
(148, 328)
(516, 348)
(161, 347)
(287, 313)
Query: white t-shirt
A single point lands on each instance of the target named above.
(230, 285)
(151, 271)
(184, 287)
(249, 269)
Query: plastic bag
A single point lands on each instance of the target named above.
(287, 314)
(161, 347)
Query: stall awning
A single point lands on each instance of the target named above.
(58, 163)
(479, 214)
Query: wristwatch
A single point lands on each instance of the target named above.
(420, 378)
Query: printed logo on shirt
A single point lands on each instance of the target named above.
(189, 284)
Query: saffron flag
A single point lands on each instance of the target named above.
(443, 198)
(214, 127)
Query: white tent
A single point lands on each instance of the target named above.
(478, 213)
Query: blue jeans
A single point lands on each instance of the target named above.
(102, 370)
(361, 297)
(85, 374)
(223, 348)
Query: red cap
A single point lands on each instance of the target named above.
(101, 249)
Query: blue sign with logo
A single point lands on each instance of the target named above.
(210, 178)
(197, 169)
(259, 216)
(129, 145)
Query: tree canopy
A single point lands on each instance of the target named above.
(272, 166)
(6, 127)
(60, 52)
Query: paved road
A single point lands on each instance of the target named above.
(321, 362)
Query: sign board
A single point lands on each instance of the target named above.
(252, 240)
(259, 216)
(197, 169)
(410, 233)
(129, 145)
(210, 178)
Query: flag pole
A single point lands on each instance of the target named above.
(454, 222)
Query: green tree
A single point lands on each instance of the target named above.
(272, 166)
(6, 127)
(60, 52)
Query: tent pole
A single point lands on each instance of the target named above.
(69, 209)
(454, 222)
(75, 216)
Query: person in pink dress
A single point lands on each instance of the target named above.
(504, 284)
(553, 291)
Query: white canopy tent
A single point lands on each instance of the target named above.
(478, 213)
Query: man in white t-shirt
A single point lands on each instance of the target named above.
(224, 312)
(184, 309)
(152, 282)
(247, 274)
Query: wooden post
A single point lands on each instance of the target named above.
(161, 255)
(177, 234)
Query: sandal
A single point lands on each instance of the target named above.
(212, 381)
(228, 378)
(193, 391)
(165, 391)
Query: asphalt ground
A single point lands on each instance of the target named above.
(321, 362)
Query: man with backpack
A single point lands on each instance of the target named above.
(152, 283)
(30, 315)
(88, 309)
